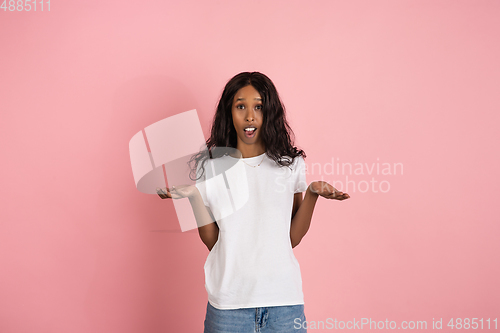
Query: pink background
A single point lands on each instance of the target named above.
(411, 82)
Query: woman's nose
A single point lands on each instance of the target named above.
(250, 115)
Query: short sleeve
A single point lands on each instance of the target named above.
(299, 173)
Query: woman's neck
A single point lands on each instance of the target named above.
(251, 150)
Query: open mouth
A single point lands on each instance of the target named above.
(250, 132)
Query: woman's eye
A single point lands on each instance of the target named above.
(241, 106)
(259, 107)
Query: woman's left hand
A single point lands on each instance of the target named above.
(327, 191)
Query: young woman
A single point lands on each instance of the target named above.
(252, 277)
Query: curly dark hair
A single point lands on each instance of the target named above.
(276, 134)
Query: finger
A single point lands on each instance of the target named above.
(162, 193)
(172, 193)
(339, 195)
(343, 196)
(329, 196)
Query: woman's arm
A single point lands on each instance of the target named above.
(208, 229)
(303, 209)
(301, 215)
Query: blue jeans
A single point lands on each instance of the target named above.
(275, 319)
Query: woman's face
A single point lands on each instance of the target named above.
(247, 116)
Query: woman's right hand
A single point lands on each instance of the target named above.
(179, 192)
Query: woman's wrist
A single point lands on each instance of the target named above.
(312, 188)
(194, 193)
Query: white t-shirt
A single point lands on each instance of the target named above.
(252, 263)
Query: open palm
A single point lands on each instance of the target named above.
(327, 191)
(177, 192)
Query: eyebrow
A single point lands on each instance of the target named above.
(242, 99)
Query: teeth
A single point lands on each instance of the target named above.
(250, 129)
